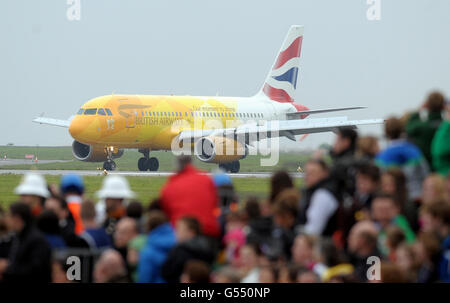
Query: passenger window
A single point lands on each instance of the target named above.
(90, 111)
(108, 111)
(101, 112)
(80, 112)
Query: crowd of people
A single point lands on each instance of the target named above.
(358, 206)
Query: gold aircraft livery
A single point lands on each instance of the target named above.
(105, 126)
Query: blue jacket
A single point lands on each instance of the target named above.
(444, 266)
(159, 242)
(408, 157)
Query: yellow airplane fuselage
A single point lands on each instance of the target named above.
(148, 121)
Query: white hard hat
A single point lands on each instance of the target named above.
(33, 184)
(115, 187)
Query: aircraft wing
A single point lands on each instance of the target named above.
(280, 128)
(53, 122)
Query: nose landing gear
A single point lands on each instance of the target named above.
(109, 164)
(146, 163)
(231, 167)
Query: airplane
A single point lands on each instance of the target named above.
(105, 126)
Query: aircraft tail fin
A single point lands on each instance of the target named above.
(281, 81)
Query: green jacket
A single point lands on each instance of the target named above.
(421, 132)
(440, 149)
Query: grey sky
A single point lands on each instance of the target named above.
(205, 47)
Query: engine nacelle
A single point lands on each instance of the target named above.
(91, 153)
(219, 150)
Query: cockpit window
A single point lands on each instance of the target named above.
(108, 111)
(90, 111)
(80, 112)
(101, 112)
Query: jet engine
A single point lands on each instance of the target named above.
(92, 153)
(219, 150)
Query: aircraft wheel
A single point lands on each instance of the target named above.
(152, 164)
(224, 167)
(235, 167)
(142, 165)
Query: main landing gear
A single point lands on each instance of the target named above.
(231, 167)
(109, 164)
(147, 163)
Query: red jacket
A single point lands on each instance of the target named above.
(191, 193)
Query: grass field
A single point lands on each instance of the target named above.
(128, 162)
(146, 188)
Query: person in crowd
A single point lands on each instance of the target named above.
(48, 223)
(288, 273)
(268, 274)
(135, 247)
(279, 181)
(59, 206)
(33, 191)
(440, 146)
(191, 193)
(436, 218)
(319, 203)
(226, 274)
(196, 271)
(93, 234)
(434, 188)
(30, 255)
(368, 179)
(406, 261)
(305, 275)
(233, 241)
(110, 268)
(385, 212)
(393, 182)
(391, 273)
(362, 243)
(332, 262)
(402, 154)
(191, 245)
(126, 230)
(367, 148)
(249, 267)
(134, 210)
(227, 199)
(115, 193)
(303, 251)
(160, 240)
(344, 165)
(367, 185)
(259, 227)
(427, 253)
(72, 189)
(285, 212)
(395, 237)
(423, 124)
(6, 236)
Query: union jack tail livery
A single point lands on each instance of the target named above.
(281, 81)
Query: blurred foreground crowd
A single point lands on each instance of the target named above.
(357, 205)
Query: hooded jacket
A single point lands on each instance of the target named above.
(159, 242)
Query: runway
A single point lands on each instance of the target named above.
(27, 161)
(131, 173)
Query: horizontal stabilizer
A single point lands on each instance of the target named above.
(298, 115)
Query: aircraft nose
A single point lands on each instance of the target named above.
(75, 128)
